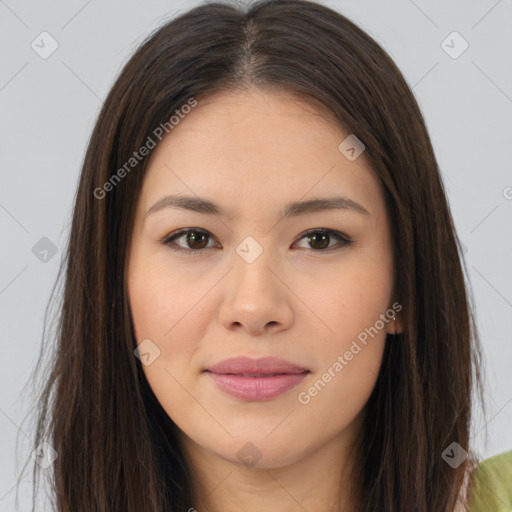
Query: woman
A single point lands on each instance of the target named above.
(264, 303)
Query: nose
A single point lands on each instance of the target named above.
(256, 299)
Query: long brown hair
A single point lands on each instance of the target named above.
(117, 448)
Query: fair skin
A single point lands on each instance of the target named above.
(252, 153)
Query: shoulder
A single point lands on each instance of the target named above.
(490, 489)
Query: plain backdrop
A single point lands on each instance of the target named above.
(49, 106)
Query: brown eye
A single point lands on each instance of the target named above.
(194, 239)
(319, 239)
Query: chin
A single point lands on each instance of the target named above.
(256, 451)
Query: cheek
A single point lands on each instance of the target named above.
(352, 300)
(160, 304)
(352, 306)
(171, 311)
(163, 312)
(335, 399)
(350, 354)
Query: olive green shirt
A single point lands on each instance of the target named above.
(491, 486)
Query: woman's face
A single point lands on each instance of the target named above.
(251, 281)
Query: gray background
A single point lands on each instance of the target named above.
(49, 107)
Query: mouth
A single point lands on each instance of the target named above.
(256, 379)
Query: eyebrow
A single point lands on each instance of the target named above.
(204, 206)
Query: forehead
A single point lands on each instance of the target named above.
(268, 119)
(273, 118)
(269, 145)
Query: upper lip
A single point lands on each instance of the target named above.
(263, 366)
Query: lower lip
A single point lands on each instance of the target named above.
(256, 388)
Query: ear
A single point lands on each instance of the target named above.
(395, 325)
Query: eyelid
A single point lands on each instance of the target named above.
(179, 233)
(333, 232)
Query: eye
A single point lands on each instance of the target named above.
(320, 239)
(196, 240)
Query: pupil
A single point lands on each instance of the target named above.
(325, 240)
(192, 237)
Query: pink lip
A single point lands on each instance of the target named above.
(256, 379)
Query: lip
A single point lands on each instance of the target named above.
(256, 379)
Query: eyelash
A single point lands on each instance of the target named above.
(345, 240)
